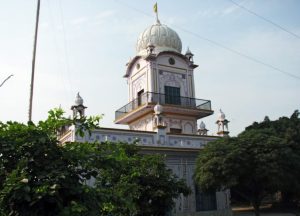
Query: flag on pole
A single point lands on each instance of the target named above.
(155, 8)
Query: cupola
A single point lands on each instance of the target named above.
(159, 36)
(78, 109)
(222, 123)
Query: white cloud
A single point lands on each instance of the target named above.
(229, 10)
(206, 13)
(102, 16)
(79, 20)
(174, 20)
(235, 8)
(212, 12)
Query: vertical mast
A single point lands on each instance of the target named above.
(33, 60)
(155, 9)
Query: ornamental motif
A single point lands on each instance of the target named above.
(174, 80)
(138, 84)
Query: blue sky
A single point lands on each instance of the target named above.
(83, 46)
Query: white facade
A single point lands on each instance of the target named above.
(181, 151)
(153, 75)
(162, 114)
(160, 73)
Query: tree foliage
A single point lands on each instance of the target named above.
(130, 183)
(263, 159)
(38, 176)
(287, 129)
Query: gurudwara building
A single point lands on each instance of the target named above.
(162, 113)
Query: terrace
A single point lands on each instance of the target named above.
(154, 98)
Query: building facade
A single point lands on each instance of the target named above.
(162, 113)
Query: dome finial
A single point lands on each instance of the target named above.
(78, 108)
(202, 125)
(222, 123)
(202, 129)
(221, 115)
(78, 100)
(188, 51)
(156, 12)
(158, 109)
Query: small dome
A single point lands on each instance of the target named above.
(202, 125)
(161, 37)
(158, 109)
(78, 100)
(221, 115)
(188, 51)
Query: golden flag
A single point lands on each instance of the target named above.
(155, 8)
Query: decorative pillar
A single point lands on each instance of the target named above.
(189, 55)
(222, 123)
(159, 125)
(202, 129)
(78, 109)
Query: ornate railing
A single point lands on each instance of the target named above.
(154, 98)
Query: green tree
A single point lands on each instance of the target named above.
(288, 129)
(38, 176)
(130, 183)
(258, 162)
(35, 176)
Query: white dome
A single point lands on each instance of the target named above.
(188, 51)
(161, 37)
(202, 125)
(221, 115)
(158, 109)
(78, 100)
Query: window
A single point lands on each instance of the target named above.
(172, 95)
(205, 201)
(171, 61)
(175, 130)
(139, 97)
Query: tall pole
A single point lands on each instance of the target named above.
(155, 9)
(33, 60)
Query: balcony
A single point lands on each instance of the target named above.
(154, 98)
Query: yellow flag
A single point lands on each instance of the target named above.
(155, 8)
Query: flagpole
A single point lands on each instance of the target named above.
(33, 60)
(156, 12)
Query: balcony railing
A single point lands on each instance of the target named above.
(154, 98)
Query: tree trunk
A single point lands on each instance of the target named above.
(256, 208)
